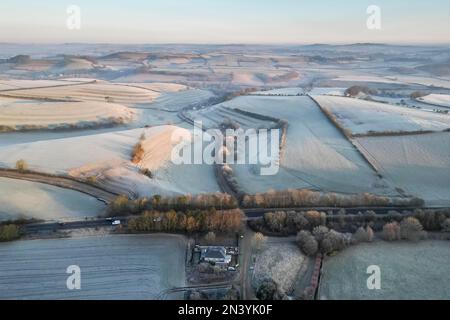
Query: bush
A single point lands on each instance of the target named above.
(319, 233)
(269, 290)
(307, 243)
(259, 240)
(363, 235)
(446, 225)
(276, 221)
(316, 218)
(210, 237)
(146, 172)
(355, 90)
(91, 180)
(9, 232)
(391, 231)
(232, 293)
(21, 165)
(297, 220)
(120, 205)
(137, 153)
(333, 241)
(411, 229)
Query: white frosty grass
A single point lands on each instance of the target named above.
(362, 117)
(112, 267)
(316, 154)
(426, 81)
(408, 271)
(99, 92)
(281, 91)
(214, 116)
(25, 199)
(367, 78)
(175, 101)
(284, 263)
(20, 114)
(437, 99)
(418, 164)
(7, 84)
(332, 91)
(107, 157)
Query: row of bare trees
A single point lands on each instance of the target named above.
(122, 205)
(307, 198)
(190, 221)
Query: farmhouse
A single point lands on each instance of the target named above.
(216, 255)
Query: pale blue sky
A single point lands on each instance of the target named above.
(225, 21)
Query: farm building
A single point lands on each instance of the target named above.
(216, 255)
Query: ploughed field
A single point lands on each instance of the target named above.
(112, 267)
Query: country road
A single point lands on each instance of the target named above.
(66, 182)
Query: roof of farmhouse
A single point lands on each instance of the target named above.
(214, 253)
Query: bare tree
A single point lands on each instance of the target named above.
(259, 241)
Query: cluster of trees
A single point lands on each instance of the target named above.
(417, 94)
(122, 205)
(322, 240)
(355, 90)
(409, 229)
(21, 165)
(363, 235)
(230, 294)
(190, 221)
(9, 232)
(282, 222)
(270, 290)
(258, 241)
(290, 222)
(138, 153)
(138, 150)
(307, 198)
(227, 173)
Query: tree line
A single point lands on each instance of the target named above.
(190, 221)
(122, 205)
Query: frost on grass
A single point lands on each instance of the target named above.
(281, 262)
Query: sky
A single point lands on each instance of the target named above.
(225, 21)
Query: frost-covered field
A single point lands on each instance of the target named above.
(108, 158)
(25, 199)
(216, 115)
(112, 267)
(10, 84)
(175, 101)
(365, 117)
(408, 271)
(284, 263)
(99, 91)
(442, 100)
(316, 154)
(281, 91)
(418, 164)
(21, 114)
